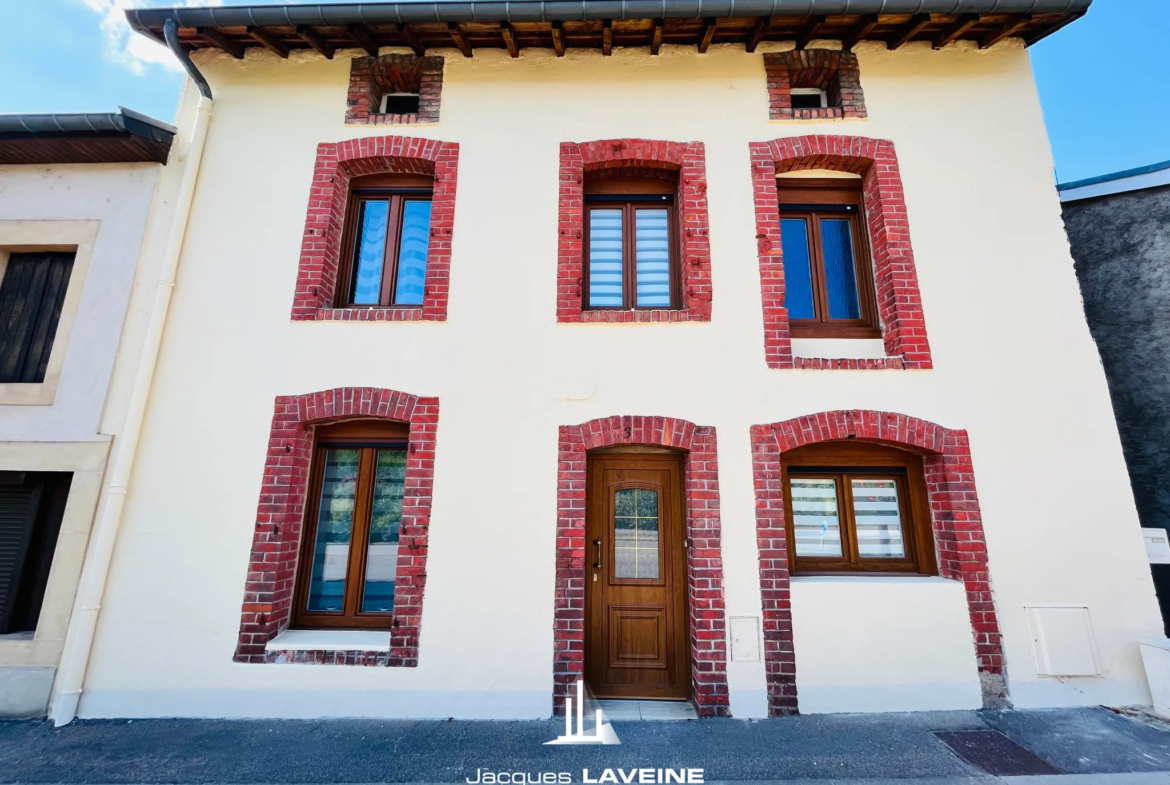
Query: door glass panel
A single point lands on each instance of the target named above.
(334, 529)
(815, 520)
(371, 251)
(412, 252)
(635, 533)
(652, 247)
(385, 520)
(879, 520)
(798, 295)
(605, 258)
(840, 272)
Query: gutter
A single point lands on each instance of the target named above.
(124, 121)
(79, 641)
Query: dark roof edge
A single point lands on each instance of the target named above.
(125, 120)
(1105, 178)
(145, 19)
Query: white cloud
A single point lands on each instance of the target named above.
(135, 51)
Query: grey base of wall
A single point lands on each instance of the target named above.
(24, 691)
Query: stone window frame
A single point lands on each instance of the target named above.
(269, 590)
(835, 72)
(960, 546)
(320, 260)
(367, 82)
(705, 603)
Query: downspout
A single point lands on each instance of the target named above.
(79, 643)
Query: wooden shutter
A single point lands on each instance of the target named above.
(18, 512)
(31, 297)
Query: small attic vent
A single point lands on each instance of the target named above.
(400, 103)
(809, 98)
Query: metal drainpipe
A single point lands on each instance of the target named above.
(79, 641)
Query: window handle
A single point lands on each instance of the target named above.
(597, 561)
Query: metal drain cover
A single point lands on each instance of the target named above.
(995, 753)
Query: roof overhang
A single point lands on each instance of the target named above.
(81, 138)
(603, 24)
(1152, 176)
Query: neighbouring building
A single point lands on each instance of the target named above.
(75, 198)
(736, 360)
(1119, 228)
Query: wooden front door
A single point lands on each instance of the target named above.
(636, 632)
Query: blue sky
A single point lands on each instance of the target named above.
(1104, 81)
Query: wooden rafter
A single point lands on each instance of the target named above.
(364, 37)
(859, 33)
(607, 37)
(316, 40)
(1044, 32)
(509, 39)
(459, 39)
(558, 39)
(411, 38)
(906, 33)
(222, 42)
(757, 34)
(269, 41)
(964, 23)
(810, 31)
(1012, 25)
(656, 37)
(709, 26)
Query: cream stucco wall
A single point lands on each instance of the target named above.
(1014, 364)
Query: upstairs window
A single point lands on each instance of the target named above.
(631, 245)
(856, 507)
(388, 231)
(32, 293)
(827, 273)
(349, 558)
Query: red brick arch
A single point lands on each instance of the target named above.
(268, 592)
(955, 519)
(896, 282)
(704, 558)
(336, 163)
(635, 157)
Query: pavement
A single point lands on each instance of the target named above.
(1083, 745)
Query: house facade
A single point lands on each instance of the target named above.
(730, 360)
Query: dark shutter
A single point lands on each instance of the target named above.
(18, 512)
(31, 297)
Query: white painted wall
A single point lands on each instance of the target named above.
(119, 197)
(1014, 365)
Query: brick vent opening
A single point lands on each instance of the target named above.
(836, 73)
(955, 520)
(272, 568)
(704, 558)
(899, 303)
(336, 164)
(635, 157)
(372, 78)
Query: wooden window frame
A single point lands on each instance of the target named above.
(811, 199)
(841, 461)
(369, 437)
(398, 189)
(628, 193)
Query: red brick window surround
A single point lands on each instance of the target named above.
(321, 246)
(955, 520)
(268, 592)
(899, 304)
(836, 73)
(634, 157)
(704, 557)
(371, 78)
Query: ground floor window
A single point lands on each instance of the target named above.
(31, 507)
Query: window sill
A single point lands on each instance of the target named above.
(847, 364)
(405, 313)
(18, 394)
(871, 577)
(638, 316)
(330, 640)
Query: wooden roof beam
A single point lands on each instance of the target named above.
(859, 33)
(709, 26)
(907, 32)
(810, 31)
(222, 42)
(1044, 32)
(459, 39)
(558, 39)
(509, 39)
(656, 37)
(411, 38)
(268, 41)
(607, 37)
(957, 28)
(1011, 26)
(757, 34)
(364, 37)
(316, 40)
